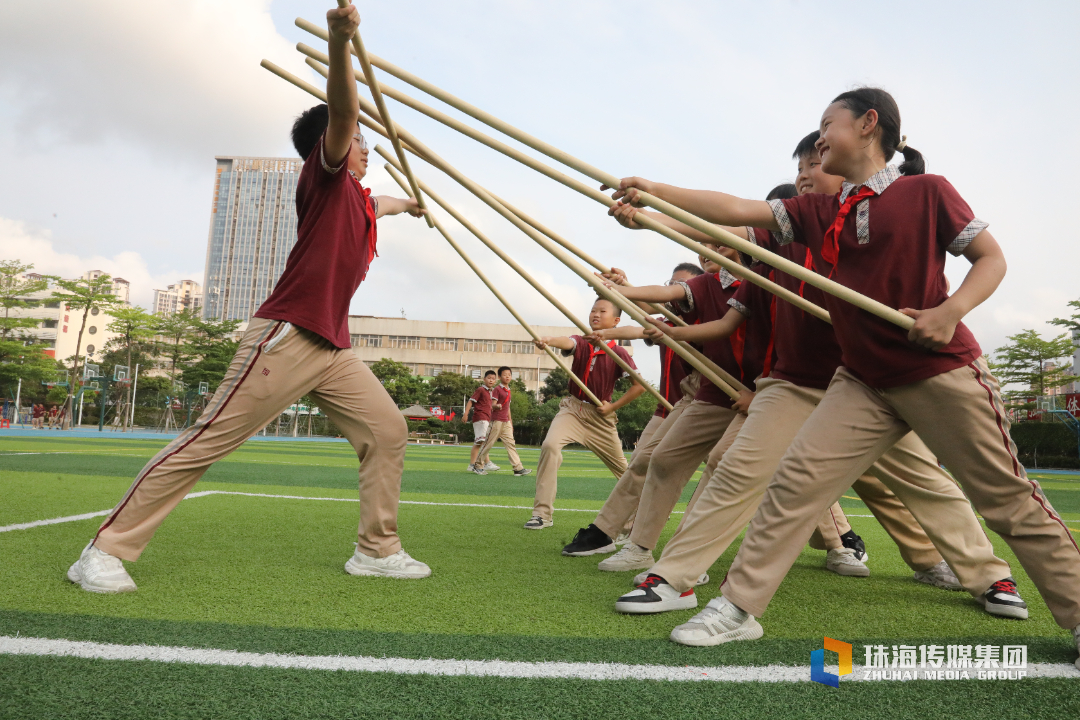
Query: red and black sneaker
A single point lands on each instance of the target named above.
(655, 595)
(1003, 600)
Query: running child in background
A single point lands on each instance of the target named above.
(480, 405)
(502, 426)
(578, 420)
(885, 235)
(297, 343)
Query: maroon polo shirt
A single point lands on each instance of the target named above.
(481, 399)
(334, 247)
(756, 303)
(598, 371)
(805, 348)
(501, 395)
(673, 370)
(710, 302)
(899, 261)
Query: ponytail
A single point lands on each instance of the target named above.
(860, 100)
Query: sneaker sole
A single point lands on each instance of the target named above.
(537, 527)
(638, 608)
(1005, 611)
(74, 577)
(625, 567)
(751, 630)
(598, 551)
(365, 570)
(849, 572)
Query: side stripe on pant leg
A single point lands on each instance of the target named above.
(1036, 492)
(196, 430)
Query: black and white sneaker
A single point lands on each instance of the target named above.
(538, 523)
(853, 542)
(522, 471)
(1003, 600)
(589, 541)
(655, 596)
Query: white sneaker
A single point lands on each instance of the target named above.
(703, 579)
(939, 576)
(842, 561)
(98, 571)
(538, 523)
(490, 466)
(399, 565)
(655, 595)
(624, 537)
(477, 469)
(718, 623)
(631, 557)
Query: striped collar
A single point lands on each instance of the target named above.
(878, 182)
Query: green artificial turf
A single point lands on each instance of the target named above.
(265, 575)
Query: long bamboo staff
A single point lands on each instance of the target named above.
(315, 57)
(495, 291)
(426, 153)
(373, 84)
(713, 231)
(614, 297)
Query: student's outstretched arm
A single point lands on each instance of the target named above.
(340, 85)
(563, 343)
(628, 397)
(395, 206)
(716, 207)
(626, 214)
(715, 330)
(934, 327)
(646, 293)
(630, 332)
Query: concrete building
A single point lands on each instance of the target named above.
(121, 288)
(184, 295)
(58, 329)
(252, 229)
(430, 347)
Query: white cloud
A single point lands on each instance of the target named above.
(30, 245)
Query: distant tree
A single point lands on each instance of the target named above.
(177, 330)
(28, 362)
(85, 295)
(134, 328)
(210, 345)
(13, 292)
(404, 387)
(634, 417)
(521, 402)
(556, 385)
(1024, 362)
(449, 389)
(1073, 322)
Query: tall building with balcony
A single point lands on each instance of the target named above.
(178, 297)
(252, 230)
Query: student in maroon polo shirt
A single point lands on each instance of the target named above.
(502, 426)
(480, 405)
(297, 343)
(578, 420)
(603, 535)
(885, 234)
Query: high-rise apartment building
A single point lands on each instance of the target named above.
(252, 229)
(184, 295)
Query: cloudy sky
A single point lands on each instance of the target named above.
(111, 114)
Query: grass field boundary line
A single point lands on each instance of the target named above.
(430, 666)
(205, 493)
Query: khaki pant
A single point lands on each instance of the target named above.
(675, 460)
(275, 364)
(961, 417)
(781, 412)
(831, 526)
(504, 431)
(621, 507)
(576, 422)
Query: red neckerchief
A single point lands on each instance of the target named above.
(830, 246)
(593, 352)
(808, 263)
(369, 213)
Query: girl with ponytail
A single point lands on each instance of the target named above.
(885, 235)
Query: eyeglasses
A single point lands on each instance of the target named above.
(359, 138)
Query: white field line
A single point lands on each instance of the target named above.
(204, 493)
(455, 668)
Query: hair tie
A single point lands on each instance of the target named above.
(903, 144)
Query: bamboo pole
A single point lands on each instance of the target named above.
(373, 84)
(315, 57)
(614, 297)
(693, 357)
(495, 291)
(713, 231)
